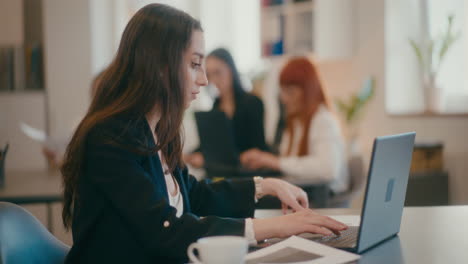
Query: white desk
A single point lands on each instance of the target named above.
(428, 235)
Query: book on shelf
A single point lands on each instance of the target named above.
(7, 70)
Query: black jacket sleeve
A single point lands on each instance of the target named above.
(256, 122)
(141, 202)
(227, 198)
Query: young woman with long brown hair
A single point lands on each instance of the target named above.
(312, 146)
(128, 198)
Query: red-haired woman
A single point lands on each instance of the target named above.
(312, 146)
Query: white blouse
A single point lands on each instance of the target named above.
(326, 161)
(177, 202)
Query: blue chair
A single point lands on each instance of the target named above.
(23, 239)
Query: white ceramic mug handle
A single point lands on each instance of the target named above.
(190, 254)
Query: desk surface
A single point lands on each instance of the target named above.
(38, 184)
(427, 235)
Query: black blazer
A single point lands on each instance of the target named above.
(122, 214)
(248, 119)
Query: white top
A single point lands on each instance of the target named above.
(177, 202)
(326, 161)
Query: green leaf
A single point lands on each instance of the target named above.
(353, 108)
(447, 43)
(448, 39)
(417, 51)
(342, 107)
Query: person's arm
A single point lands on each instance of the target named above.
(326, 153)
(117, 174)
(317, 167)
(194, 159)
(226, 198)
(256, 123)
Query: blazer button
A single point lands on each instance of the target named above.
(166, 224)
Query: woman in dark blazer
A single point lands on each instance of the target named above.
(245, 110)
(127, 195)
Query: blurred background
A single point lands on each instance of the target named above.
(411, 54)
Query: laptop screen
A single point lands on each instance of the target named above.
(217, 139)
(386, 189)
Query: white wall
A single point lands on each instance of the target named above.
(102, 33)
(67, 36)
(234, 25)
(108, 19)
(402, 20)
(24, 153)
(334, 28)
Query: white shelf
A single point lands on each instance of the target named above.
(323, 28)
(274, 9)
(299, 7)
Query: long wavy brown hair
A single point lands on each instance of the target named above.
(302, 73)
(146, 72)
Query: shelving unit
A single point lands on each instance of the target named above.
(65, 39)
(286, 27)
(322, 28)
(22, 94)
(21, 47)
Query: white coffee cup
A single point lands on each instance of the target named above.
(219, 249)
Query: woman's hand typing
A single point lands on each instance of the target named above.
(304, 221)
(290, 195)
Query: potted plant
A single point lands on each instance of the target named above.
(430, 55)
(351, 111)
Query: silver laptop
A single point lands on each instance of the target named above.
(384, 197)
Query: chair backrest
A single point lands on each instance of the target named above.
(356, 174)
(357, 180)
(23, 239)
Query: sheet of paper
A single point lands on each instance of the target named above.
(299, 250)
(56, 144)
(33, 133)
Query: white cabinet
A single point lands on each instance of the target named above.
(323, 28)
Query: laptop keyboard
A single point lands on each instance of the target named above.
(347, 238)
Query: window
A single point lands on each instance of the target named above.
(408, 90)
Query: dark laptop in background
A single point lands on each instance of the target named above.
(218, 147)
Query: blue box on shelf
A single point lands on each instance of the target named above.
(277, 48)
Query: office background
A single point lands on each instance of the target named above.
(79, 38)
